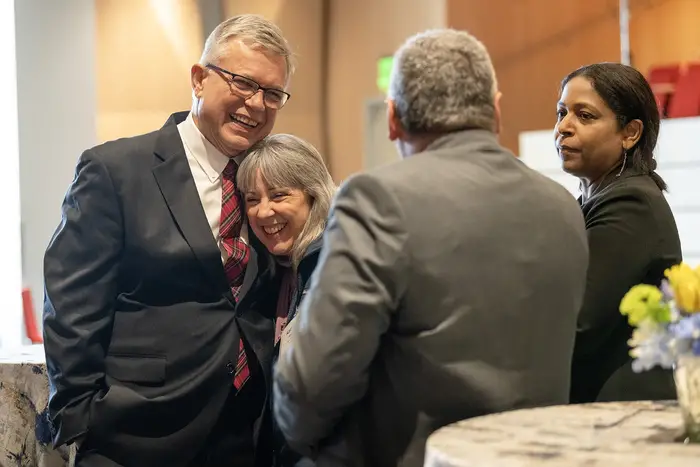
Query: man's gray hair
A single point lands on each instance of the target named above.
(290, 162)
(252, 30)
(443, 80)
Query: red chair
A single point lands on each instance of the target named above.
(685, 101)
(662, 80)
(30, 318)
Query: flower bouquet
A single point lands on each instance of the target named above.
(666, 323)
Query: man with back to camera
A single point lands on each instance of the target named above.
(449, 282)
(157, 351)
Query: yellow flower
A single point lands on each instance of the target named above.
(685, 283)
(644, 302)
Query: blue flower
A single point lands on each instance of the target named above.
(687, 327)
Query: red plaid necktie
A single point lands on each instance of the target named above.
(237, 253)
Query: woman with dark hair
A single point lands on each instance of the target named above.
(606, 131)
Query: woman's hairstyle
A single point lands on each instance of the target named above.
(287, 161)
(628, 94)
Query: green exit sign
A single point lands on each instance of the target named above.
(384, 65)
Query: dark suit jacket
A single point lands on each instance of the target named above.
(139, 320)
(284, 456)
(448, 287)
(632, 239)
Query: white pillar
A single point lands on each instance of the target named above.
(10, 236)
(625, 32)
(57, 102)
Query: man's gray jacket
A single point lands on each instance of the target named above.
(448, 287)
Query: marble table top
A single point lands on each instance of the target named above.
(25, 431)
(617, 434)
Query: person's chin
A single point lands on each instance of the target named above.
(238, 144)
(275, 248)
(281, 250)
(571, 168)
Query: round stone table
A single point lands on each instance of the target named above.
(616, 434)
(25, 434)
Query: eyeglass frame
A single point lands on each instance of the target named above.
(231, 76)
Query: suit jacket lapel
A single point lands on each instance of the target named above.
(174, 178)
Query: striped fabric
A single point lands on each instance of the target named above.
(237, 252)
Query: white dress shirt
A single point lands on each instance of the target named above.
(207, 163)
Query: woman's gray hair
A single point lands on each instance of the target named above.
(253, 30)
(287, 161)
(442, 81)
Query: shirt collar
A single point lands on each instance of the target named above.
(211, 160)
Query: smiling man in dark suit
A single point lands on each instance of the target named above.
(156, 347)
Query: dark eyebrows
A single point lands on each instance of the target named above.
(579, 106)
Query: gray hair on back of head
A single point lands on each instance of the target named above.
(443, 80)
(252, 30)
(288, 161)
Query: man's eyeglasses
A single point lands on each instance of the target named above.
(246, 87)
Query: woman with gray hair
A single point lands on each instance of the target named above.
(287, 191)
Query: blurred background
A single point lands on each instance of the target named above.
(81, 72)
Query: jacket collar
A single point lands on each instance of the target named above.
(314, 247)
(459, 138)
(613, 177)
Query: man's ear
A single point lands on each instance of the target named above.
(497, 113)
(396, 130)
(197, 77)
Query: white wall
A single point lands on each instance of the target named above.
(10, 269)
(57, 106)
(678, 163)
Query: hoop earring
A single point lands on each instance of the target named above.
(624, 162)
